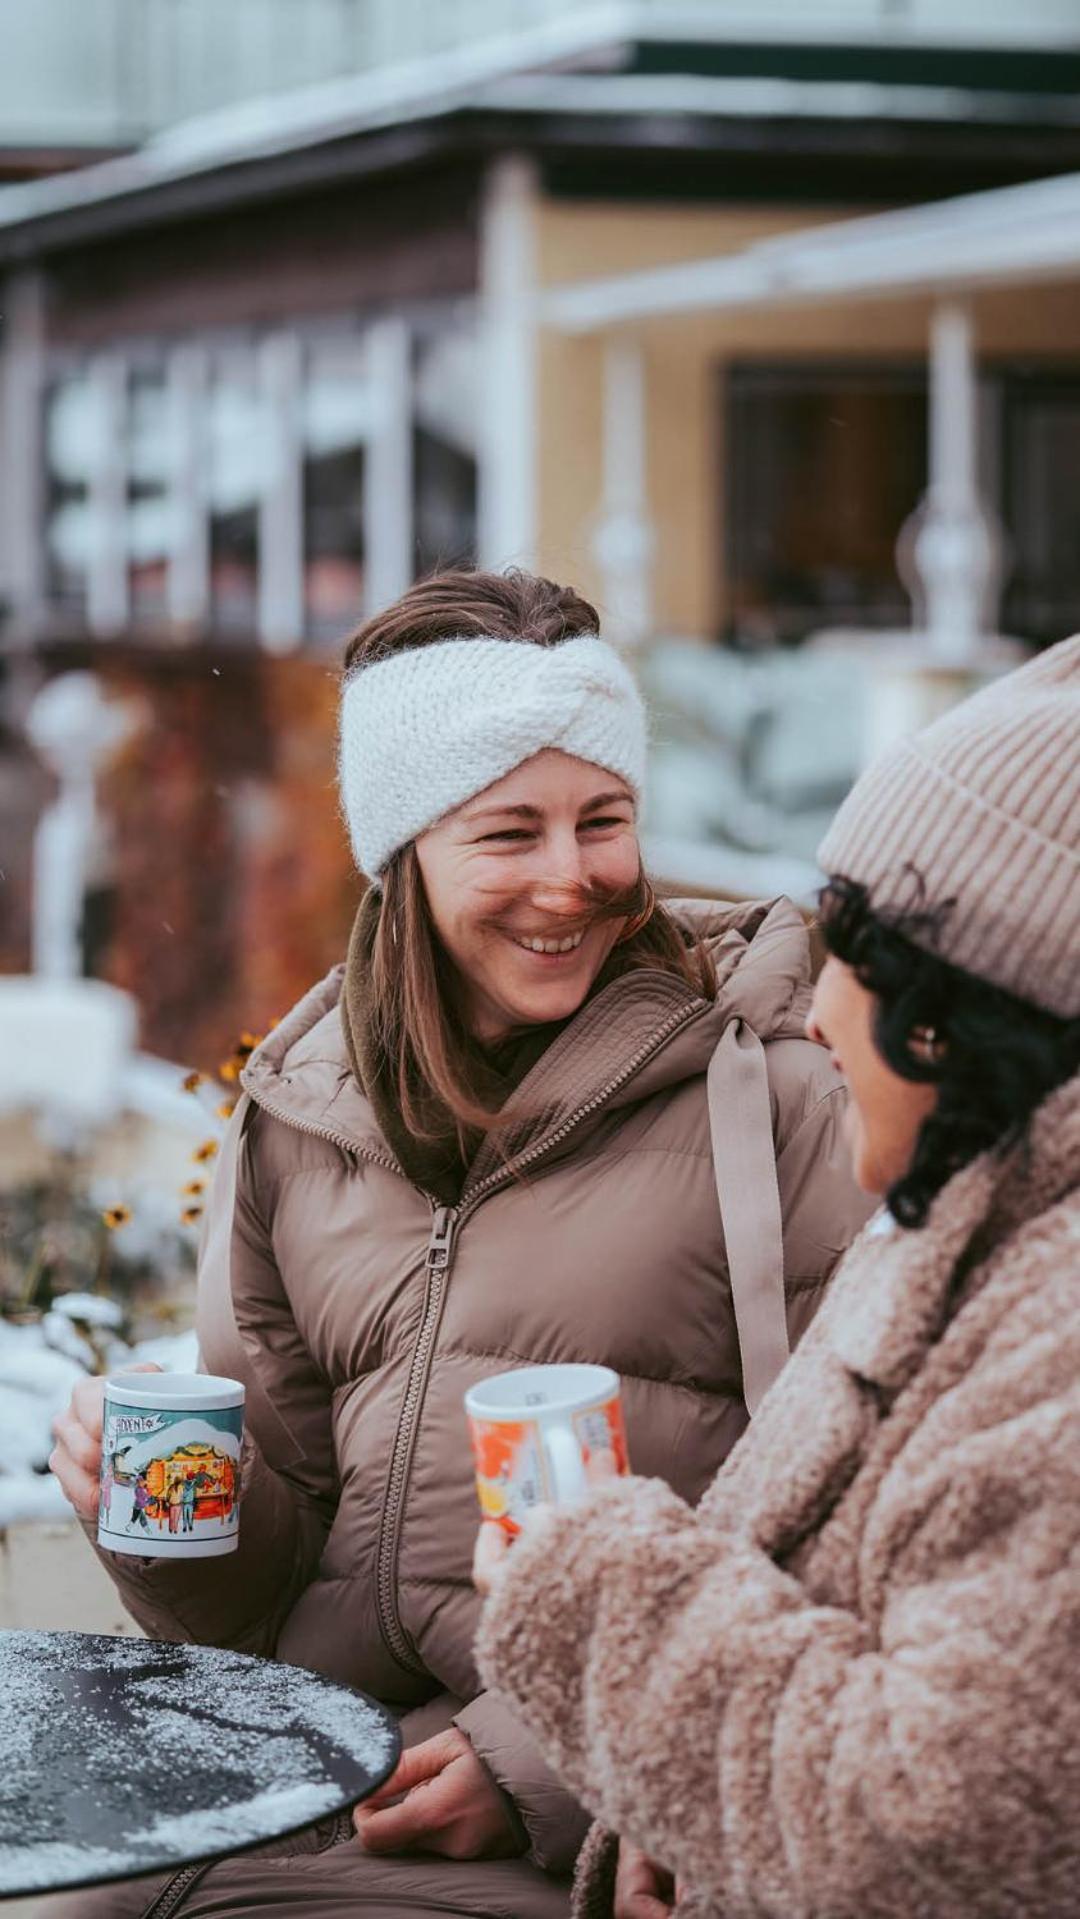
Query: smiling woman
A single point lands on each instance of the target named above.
(485, 1141)
(510, 912)
(499, 919)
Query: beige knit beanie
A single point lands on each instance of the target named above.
(979, 816)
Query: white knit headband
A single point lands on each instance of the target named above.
(426, 730)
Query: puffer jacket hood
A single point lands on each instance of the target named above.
(760, 951)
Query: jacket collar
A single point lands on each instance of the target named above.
(643, 1032)
(899, 1284)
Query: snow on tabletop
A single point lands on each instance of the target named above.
(121, 1755)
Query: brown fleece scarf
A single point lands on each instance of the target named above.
(438, 1167)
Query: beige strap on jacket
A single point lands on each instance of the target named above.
(744, 1161)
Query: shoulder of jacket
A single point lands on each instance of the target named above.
(272, 1151)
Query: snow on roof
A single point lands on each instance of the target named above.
(270, 124)
(572, 63)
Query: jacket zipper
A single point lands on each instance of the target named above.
(348, 1146)
(437, 1262)
(445, 1227)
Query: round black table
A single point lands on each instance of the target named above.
(121, 1756)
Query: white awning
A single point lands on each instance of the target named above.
(1012, 234)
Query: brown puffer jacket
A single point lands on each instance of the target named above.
(358, 1312)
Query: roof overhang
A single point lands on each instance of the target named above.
(1026, 233)
(574, 77)
(237, 141)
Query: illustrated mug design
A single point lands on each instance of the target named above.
(536, 1433)
(170, 1465)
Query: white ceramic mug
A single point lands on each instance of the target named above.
(536, 1432)
(170, 1465)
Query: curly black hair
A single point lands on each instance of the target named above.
(1000, 1056)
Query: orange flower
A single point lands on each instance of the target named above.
(230, 1068)
(192, 1081)
(194, 1186)
(206, 1150)
(247, 1043)
(226, 1109)
(115, 1216)
(190, 1214)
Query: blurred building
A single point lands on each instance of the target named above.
(310, 296)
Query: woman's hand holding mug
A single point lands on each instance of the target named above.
(156, 1457)
(75, 1460)
(492, 1550)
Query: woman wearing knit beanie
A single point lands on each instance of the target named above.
(486, 1139)
(845, 1686)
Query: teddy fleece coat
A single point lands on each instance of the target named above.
(845, 1686)
(357, 1311)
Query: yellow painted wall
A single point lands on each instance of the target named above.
(685, 359)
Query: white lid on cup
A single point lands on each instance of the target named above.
(175, 1392)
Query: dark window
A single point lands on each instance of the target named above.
(337, 421)
(444, 506)
(238, 459)
(824, 465)
(447, 407)
(1041, 508)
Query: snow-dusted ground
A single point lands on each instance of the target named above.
(39, 1365)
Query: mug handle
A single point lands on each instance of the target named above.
(567, 1465)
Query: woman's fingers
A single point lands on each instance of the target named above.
(76, 1458)
(398, 1816)
(87, 1405)
(79, 1487)
(80, 1444)
(601, 1466)
(489, 1556)
(643, 1890)
(416, 1764)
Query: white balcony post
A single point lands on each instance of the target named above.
(281, 499)
(22, 453)
(623, 540)
(388, 476)
(952, 405)
(107, 578)
(73, 729)
(508, 358)
(188, 585)
(956, 551)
